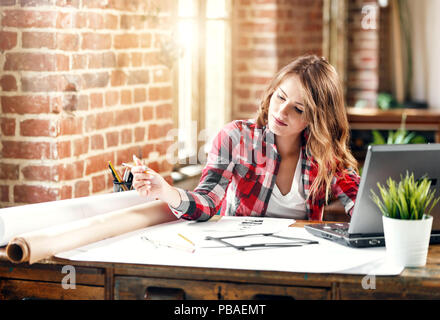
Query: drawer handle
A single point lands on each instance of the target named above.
(160, 293)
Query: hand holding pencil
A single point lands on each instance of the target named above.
(147, 182)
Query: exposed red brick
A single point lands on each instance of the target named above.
(37, 128)
(126, 97)
(29, 19)
(104, 120)
(34, 194)
(7, 126)
(36, 62)
(66, 192)
(164, 111)
(145, 40)
(136, 59)
(63, 149)
(111, 21)
(138, 77)
(8, 83)
(26, 150)
(71, 170)
(80, 146)
(8, 40)
(118, 78)
(163, 147)
(112, 139)
(71, 126)
(98, 183)
(140, 95)
(156, 131)
(126, 155)
(97, 142)
(126, 136)
(4, 193)
(40, 173)
(126, 41)
(96, 41)
(43, 83)
(95, 20)
(9, 171)
(111, 98)
(67, 42)
(96, 80)
(159, 93)
(79, 61)
(147, 113)
(82, 189)
(96, 100)
(38, 40)
(139, 134)
(127, 116)
(99, 162)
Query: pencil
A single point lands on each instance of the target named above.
(116, 175)
(131, 167)
(185, 238)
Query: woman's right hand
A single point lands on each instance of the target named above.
(147, 182)
(152, 185)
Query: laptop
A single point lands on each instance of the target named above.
(365, 228)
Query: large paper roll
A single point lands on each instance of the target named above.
(44, 243)
(3, 256)
(22, 219)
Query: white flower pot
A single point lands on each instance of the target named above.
(407, 241)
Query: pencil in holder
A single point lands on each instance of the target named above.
(118, 186)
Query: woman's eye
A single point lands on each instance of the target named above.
(298, 110)
(280, 97)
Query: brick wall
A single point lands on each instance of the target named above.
(363, 54)
(268, 35)
(82, 84)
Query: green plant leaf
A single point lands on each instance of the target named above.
(409, 199)
(377, 137)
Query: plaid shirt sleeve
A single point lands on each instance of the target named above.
(205, 201)
(345, 187)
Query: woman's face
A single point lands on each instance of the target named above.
(286, 108)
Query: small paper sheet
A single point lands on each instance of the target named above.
(325, 257)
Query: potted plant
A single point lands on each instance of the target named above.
(406, 208)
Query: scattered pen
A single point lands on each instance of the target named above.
(185, 238)
(124, 164)
(117, 176)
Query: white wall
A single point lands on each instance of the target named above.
(426, 50)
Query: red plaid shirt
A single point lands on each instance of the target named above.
(244, 160)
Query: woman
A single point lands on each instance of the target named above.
(288, 162)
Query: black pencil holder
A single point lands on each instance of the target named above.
(118, 186)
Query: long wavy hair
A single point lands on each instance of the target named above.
(325, 113)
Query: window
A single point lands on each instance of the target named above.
(202, 106)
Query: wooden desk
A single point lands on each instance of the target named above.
(417, 119)
(129, 281)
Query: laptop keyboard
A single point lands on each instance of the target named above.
(338, 228)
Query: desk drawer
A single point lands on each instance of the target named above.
(127, 287)
(23, 289)
(391, 291)
(40, 281)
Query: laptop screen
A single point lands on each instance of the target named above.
(384, 161)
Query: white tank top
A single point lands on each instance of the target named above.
(291, 205)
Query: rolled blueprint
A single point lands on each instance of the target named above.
(3, 256)
(44, 243)
(26, 218)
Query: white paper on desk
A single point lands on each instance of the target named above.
(26, 218)
(325, 257)
(240, 225)
(197, 232)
